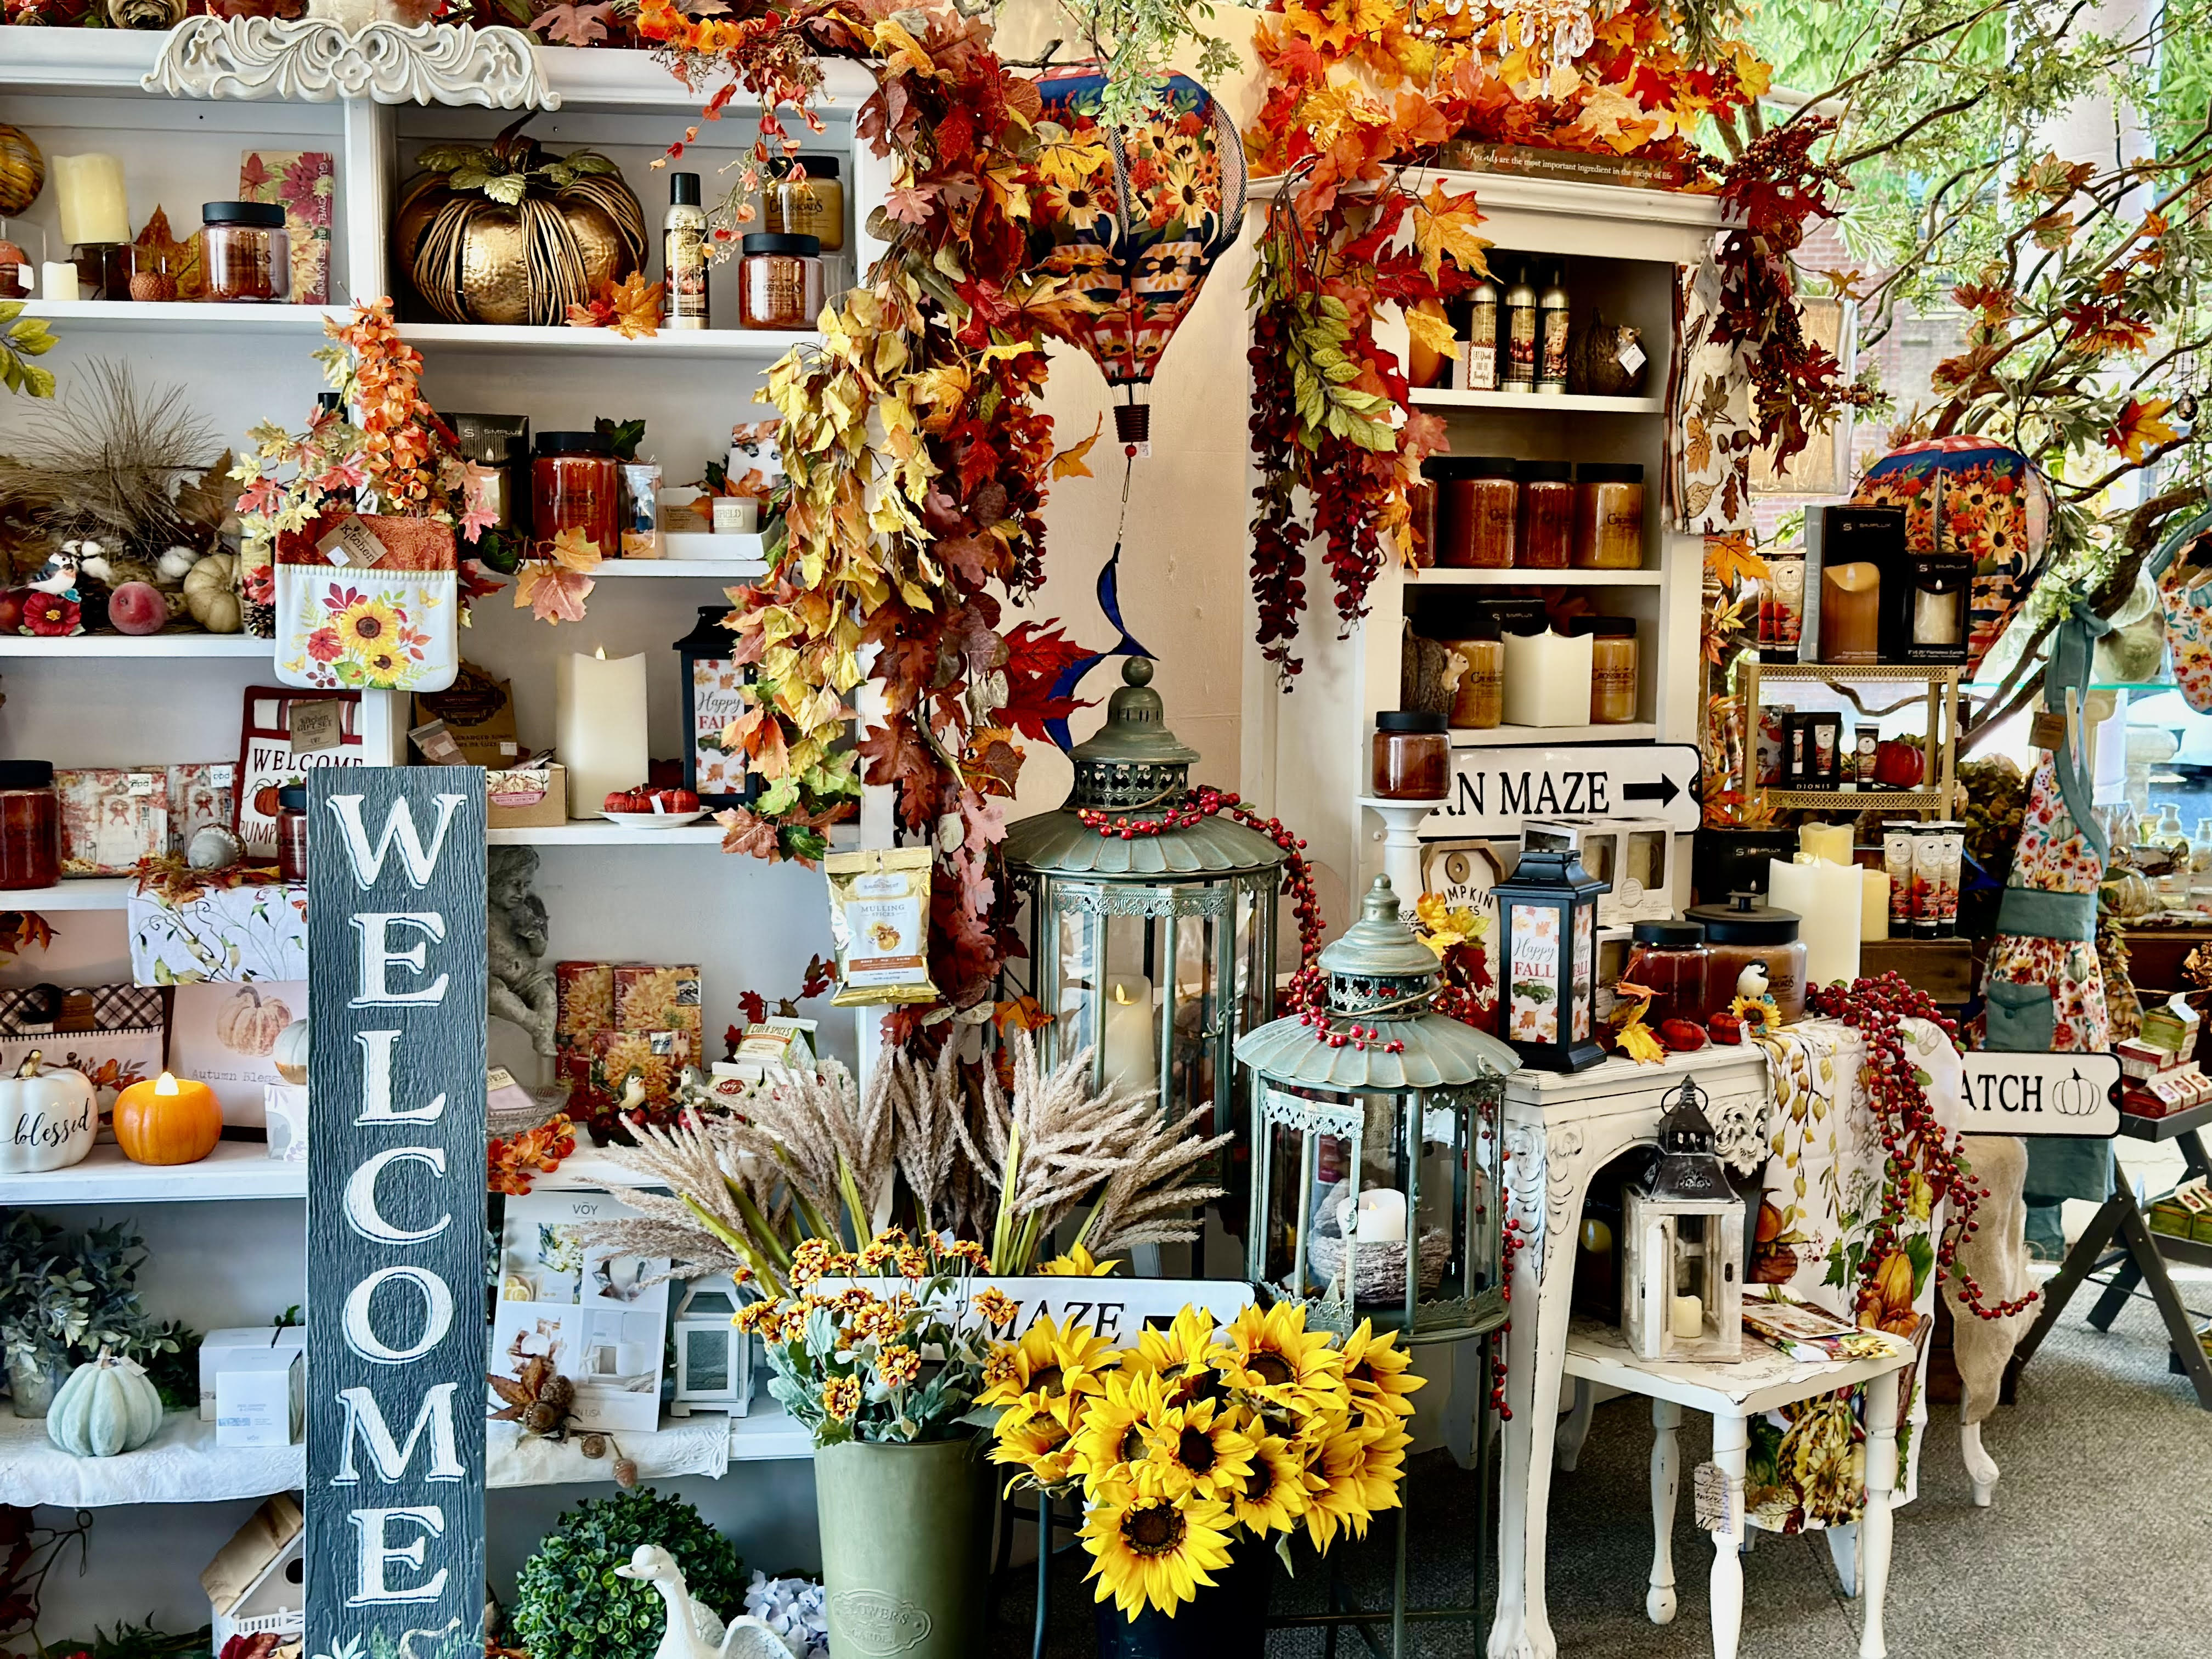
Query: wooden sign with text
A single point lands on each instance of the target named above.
(2040, 1094)
(395, 1551)
(1494, 789)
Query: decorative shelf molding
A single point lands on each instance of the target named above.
(1531, 403)
(149, 646)
(312, 61)
(695, 342)
(1443, 576)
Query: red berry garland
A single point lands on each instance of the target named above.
(1306, 991)
(1911, 1138)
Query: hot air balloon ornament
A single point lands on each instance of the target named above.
(1137, 216)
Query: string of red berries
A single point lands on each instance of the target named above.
(1306, 990)
(1913, 1140)
(1514, 1242)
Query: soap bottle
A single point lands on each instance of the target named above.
(2172, 884)
(2200, 866)
(683, 256)
(1520, 331)
(1551, 335)
(1478, 351)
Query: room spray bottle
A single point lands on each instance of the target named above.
(683, 254)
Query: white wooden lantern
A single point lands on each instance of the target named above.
(1634, 855)
(1681, 1296)
(713, 1358)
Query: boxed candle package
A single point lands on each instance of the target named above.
(1852, 552)
(202, 795)
(1633, 856)
(1924, 609)
(238, 1349)
(260, 1396)
(111, 817)
(530, 797)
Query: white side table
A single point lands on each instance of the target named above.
(1765, 1380)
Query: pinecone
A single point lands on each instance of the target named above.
(543, 1418)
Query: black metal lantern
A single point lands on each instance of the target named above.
(1157, 952)
(713, 697)
(1681, 1294)
(1548, 958)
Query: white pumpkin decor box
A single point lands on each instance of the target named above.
(51, 1116)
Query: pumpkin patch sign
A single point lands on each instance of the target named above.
(395, 1211)
(2040, 1094)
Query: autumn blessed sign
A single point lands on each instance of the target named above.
(396, 1212)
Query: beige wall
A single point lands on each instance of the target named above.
(1182, 586)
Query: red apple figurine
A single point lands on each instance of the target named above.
(137, 608)
(11, 611)
(1897, 763)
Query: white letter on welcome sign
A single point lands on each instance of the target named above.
(365, 1418)
(377, 1553)
(398, 825)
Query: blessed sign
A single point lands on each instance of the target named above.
(395, 1211)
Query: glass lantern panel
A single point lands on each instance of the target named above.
(709, 1305)
(1441, 1202)
(706, 1359)
(1309, 1176)
(1534, 979)
(1693, 1274)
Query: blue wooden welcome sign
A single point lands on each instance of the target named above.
(395, 1549)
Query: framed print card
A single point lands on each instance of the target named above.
(588, 1311)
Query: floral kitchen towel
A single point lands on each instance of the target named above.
(304, 182)
(1710, 445)
(257, 932)
(1818, 1214)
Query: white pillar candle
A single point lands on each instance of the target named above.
(1130, 1040)
(1381, 1217)
(1547, 679)
(599, 726)
(58, 281)
(1825, 900)
(89, 189)
(1686, 1319)
(1830, 841)
(1874, 905)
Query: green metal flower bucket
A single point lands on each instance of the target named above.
(905, 1542)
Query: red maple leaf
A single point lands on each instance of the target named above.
(1036, 656)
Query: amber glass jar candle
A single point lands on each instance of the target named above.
(30, 825)
(1609, 516)
(779, 281)
(1612, 667)
(813, 206)
(245, 251)
(1412, 757)
(1669, 959)
(1478, 699)
(574, 486)
(1546, 530)
(292, 832)
(1745, 934)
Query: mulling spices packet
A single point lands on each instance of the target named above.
(879, 923)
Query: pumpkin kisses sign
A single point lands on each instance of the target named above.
(396, 1212)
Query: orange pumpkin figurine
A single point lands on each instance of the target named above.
(167, 1120)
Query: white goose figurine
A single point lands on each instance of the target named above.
(693, 1632)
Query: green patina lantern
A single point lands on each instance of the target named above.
(1158, 950)
(1378, 1153)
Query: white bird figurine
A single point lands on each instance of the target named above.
(57, 575)
(693, 1632)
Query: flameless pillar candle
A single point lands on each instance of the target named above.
(57, 280)
(92, 207)
(599, 726)
(1874, 905)
(1128, 1040)
(1686, 1319)
(1826, 898)
(1830, 841)
(1381, 1219)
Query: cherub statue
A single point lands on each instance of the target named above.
(519, 989)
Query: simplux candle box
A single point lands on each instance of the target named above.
(260, 1397)
(111, 817)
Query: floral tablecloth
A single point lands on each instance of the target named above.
(225, 934)
(1817, 1216)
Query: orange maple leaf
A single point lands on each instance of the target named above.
(631, 308)
(2141, 426)
(1069, 463)
(1731, 559)
(1443, 227)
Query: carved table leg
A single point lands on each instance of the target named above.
(1981, 1467)
(1575, 1429)
(1666, 1486)
(1731, 1444)
(1875, 1530)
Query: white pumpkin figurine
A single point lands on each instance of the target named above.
(49, 1117)
(290, 1053)
(108, 1406)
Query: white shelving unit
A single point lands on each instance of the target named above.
(612, 893)
(1620, 248)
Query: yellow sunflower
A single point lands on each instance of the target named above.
(1198, 1449)
(1152, 1550)
(367, 625)
(1112, 1434)
(1050, 1360)
(1039, 1442)
(1079, 1263)
(1359, 1465)
(1273, 1357)
(1275, 1493)
(1379, 1374)
(1182, 1356)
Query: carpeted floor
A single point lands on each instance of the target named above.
(2098, 1546)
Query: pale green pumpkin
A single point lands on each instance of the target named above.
(107, 1405)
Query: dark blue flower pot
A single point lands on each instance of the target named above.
(1226, 1621)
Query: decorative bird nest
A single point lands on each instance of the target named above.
(1381, 1266)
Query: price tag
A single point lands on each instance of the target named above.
(316, 725)
(2047, 731)
(1630, 356)
(352, 543)
(1719, 1500)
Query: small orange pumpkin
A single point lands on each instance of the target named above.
(167, 1120)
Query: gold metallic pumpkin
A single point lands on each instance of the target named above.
(512, 234)
(22, 172)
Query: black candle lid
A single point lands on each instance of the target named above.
(1744, 920)
(292, 798)
(26, 775)
(1490, 466)
(268, 215)
(574, 443)
(1669, 935)
(1409, 719)
(1608, 472)
(769, 241)
(1544, 471)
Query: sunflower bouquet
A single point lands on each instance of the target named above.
(852, 1363)
(1201, 1436)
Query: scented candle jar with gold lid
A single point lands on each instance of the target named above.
(30, 825)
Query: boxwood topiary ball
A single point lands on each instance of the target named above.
(568, 1604)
